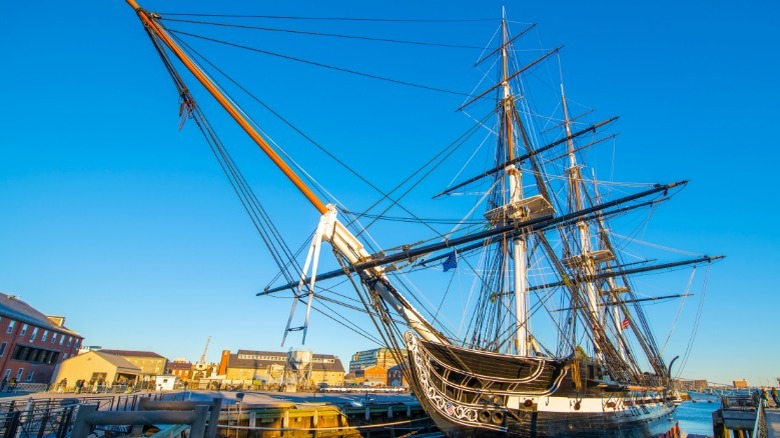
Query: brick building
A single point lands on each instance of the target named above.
(181, 369)
(268, 368)
(372, 376)
(31, 343)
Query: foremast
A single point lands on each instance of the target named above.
(329, 229)
(586, 260)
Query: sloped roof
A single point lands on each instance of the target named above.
(122, 365)
(179, 366)
(235, 362)
(335, 366)
(132, 353)
(14, 308)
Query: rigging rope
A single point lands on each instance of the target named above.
(314, 63)
(294, 17)
(320, 189)
(335, 35)
(697, 320)
(262, 222)
(385, 195)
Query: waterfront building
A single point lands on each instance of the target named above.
(740, 384)
(32, 344)
(150, 363)
(372, 376)
(261, 368)
(690, 385)
(166, 382)
(96, 369)
(382, 357)
(181, 368)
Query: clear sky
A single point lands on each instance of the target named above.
(125, 225)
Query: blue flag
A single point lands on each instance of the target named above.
(451, 262)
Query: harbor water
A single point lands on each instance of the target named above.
(695, 416)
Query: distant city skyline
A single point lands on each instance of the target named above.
(118, 220)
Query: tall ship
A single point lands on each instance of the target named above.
(552, 337)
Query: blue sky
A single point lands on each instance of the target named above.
(117, 220)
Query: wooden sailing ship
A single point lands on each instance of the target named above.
(497, 378)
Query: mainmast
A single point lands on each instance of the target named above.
(515, 186)
(516, 207)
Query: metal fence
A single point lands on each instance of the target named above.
(53, 417)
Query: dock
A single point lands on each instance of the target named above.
(746, 416)
(238, 415)
(258, 414)
(773, 423)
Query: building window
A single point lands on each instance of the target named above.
(36, 355)
(11, 326)
(34, 334)
(19, 352)
(19, 374)
(7, 374)
(30, 376)
(2, 348)
(44, 335)
(70, 339)
(62, 339)
(53, 337)
(23, 332)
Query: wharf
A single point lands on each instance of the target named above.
(260, 414)
(252, 414)
(773, 423)
(746, 416)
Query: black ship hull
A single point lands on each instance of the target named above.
(473, 393)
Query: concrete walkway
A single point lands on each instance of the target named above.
(773, 423)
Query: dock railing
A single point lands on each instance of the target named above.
(88, 417)
(54, 417)
(744, 413)
(759, 429)
(214, 409)
(738, 401)
(191, 419)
